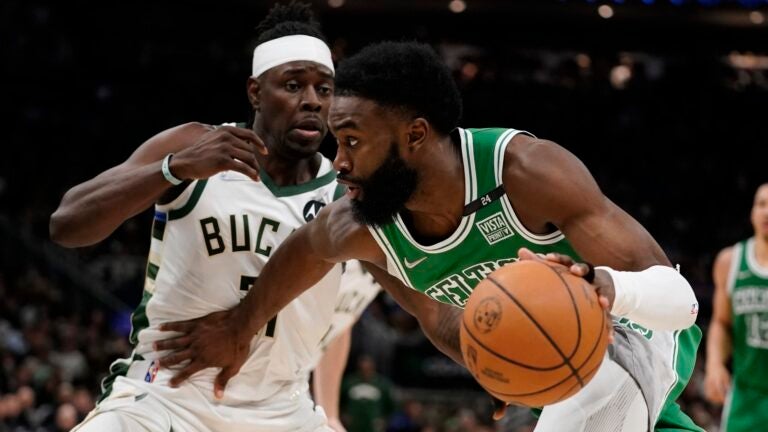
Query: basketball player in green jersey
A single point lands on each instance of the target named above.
(440, 207)
(739, 328)
(222, 205)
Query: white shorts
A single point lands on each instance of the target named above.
(134, 407)
(611, 402)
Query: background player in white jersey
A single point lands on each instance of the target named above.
(225, 199)
(358, 289)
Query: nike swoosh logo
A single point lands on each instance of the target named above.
(411, 265)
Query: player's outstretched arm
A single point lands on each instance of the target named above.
(550, 186)
(222, 339)
(91, 211)
(717, 379)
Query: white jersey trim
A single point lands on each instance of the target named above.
(470, 193)
(752, 263)
(733, 272)
(675, 375)
(393, 263)
(501, 145)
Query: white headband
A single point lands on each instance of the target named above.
(290, 48)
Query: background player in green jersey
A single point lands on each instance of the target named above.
(466, 200)
(739, 327)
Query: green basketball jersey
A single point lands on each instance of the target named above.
(490, 237)
(748, 291)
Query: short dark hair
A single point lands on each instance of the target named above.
(289, 19)
(403, 75)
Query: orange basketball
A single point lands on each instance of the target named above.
(533, 334)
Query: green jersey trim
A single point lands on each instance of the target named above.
(470, 194)
(284, 191)
(139, 319)
(152, 270)
(339, 191)
(118, 368)
(191, 203)
(385, 246)
(499, 151)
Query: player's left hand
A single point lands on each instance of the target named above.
(599, 279)
(209, 341)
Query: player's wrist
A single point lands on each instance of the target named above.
(606, 286)
(713, 366)
(244, 322)
(171, 170)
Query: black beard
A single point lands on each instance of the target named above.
(385, 192)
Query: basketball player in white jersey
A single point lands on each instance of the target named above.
(358, 289)
(225, 198)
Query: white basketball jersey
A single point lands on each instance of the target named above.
(357, 291)
(208, 247)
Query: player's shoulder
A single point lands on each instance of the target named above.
(339, 217)
(725, 256)
(526, 156)
(180, 135)
(190, 128)
(722, 265)
(347, 237)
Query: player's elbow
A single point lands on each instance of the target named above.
(679, 307)
(63, 230)
(658, 298)
(685, 302)
(58, 229)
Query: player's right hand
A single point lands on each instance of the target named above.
(600, 280)
(209, 341)
(221, 149)
(717, 383)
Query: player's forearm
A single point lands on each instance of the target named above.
(329, 372)
(91, 211)
(292, 269)
(658, 298)
(718, 344)
(443, 331)
(440, 322)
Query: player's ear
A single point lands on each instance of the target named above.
(417, 133)
(253, 87)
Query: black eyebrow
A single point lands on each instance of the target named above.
(347, 123)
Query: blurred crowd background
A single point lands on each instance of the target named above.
(665, 101)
